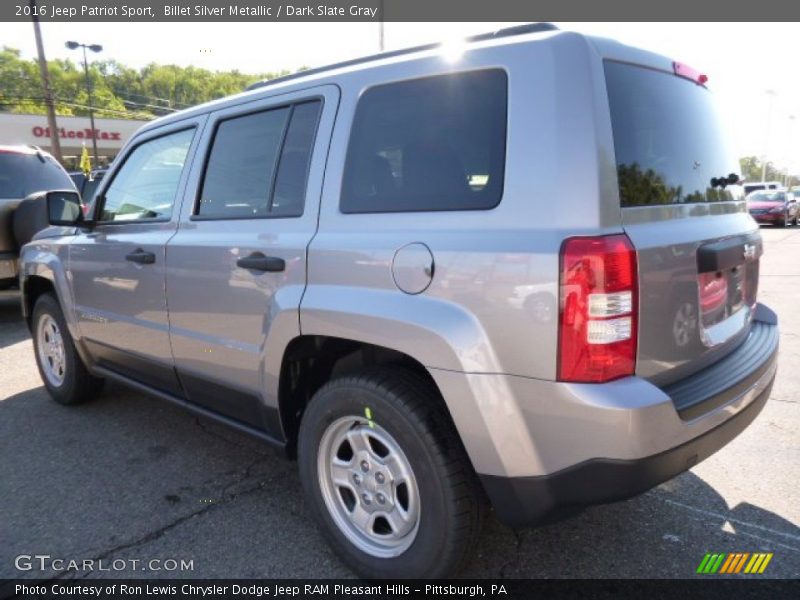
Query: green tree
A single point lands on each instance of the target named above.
(751, 168)
(117, 90)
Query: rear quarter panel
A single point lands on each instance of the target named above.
(492, 304)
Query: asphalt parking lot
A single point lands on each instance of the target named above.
(130, 477)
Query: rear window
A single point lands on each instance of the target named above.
(429, 144)
(753, 188)
(23, 174)
(767, 197)
(668, 140)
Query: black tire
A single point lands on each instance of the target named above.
(78, 384)
(451, 502)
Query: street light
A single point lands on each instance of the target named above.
(789, 158)
(771, 95)
(380, 29)
(93, 48)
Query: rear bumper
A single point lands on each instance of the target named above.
(520, 501)
(541, 447)
(768, 217)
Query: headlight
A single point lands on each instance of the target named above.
(778, 209)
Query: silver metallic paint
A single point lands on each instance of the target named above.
(486, 327)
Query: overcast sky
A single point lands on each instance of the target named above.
(742, 60)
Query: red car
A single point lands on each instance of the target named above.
(775, 207)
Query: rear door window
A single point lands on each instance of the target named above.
(668, 140)
(289, 192)
(429, 144)
(258, 164)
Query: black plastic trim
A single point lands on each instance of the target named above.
(729, 377)
(193, 408)
(521, 501)
(227, 400)
(152, 373)
(727, 254)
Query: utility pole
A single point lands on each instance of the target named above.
(89, 86)
(771, 100)
(55, 144)
(787, 179)
(381, 44)
(91, 104)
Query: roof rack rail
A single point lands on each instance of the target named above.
(39, 152)
(492, 35)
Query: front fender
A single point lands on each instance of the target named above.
(47, 259)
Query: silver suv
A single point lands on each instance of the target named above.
(524, 274)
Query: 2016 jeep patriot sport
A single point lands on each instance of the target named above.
(526, 273)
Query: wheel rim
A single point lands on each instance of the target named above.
(50, 347)
(368, 486)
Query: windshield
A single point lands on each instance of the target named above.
(766, 197)
(90, 187)
(668, 141)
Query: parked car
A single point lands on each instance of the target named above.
(23, 170)
(756, 186)
(430, 280)
(774, 207)
(87, 185)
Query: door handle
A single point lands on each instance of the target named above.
(259, 262)
(141, 257)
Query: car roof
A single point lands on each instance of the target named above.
(322, 75)
(32, 150)
(532, 32)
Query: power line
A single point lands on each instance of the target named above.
(153, 106)
(170, 103)
(8, 100)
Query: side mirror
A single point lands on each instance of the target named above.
(64, 208)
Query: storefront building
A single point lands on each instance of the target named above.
(73, 132)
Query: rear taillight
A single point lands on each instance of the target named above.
(598, 301)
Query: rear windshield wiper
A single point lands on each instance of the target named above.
(723, 181)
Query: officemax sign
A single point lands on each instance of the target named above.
(73, 132)
(81, 134)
